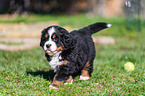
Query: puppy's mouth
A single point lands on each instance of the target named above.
(50, 52)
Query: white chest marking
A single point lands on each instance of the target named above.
(55, 61)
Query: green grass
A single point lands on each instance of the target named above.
(28, 72)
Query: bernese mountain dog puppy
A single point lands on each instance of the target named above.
(70, 52)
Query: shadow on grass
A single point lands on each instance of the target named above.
(48, 75)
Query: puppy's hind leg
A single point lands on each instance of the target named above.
(85, 75)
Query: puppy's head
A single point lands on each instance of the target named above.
(54, 39)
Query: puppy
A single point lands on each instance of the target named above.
(69, 53)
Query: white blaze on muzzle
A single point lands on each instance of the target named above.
(52, 45)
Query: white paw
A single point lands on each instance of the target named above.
(53, 87)
(69, 83)
(83, 78)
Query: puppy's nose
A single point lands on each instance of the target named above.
(48, 45)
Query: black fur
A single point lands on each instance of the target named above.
(78, 49)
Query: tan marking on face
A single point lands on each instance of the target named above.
(60, 48)
(46, 36)
(85, 71)
(54, 36)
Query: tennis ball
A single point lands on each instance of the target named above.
(129, 66)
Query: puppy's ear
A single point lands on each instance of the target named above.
(42, 38)
(65, 38)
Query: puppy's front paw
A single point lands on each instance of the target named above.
(53, 87)
(55, 84)
(69, 80)
(83, 78)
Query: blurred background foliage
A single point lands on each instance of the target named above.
(132, 10)
(100, 7)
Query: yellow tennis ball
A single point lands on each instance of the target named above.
(129, 66)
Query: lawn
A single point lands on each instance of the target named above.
(28, 72)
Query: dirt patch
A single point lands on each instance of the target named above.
(104, 40)
(27, 43)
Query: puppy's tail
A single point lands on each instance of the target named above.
(93, 28)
